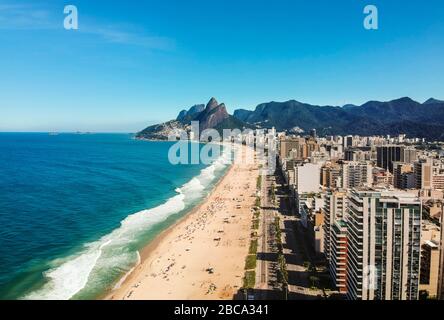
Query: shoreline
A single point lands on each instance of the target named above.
(157, 240)
(153, 255)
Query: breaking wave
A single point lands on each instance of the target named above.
(117, 251)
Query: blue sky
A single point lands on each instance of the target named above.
(132, 63)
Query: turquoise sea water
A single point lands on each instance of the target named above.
(75, 209)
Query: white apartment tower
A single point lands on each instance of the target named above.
(307, 177)
(383, 245)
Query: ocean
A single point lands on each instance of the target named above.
(76, 209)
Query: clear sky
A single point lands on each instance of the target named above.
(132, 63)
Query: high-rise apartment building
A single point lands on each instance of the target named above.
(384, 245)
(402, 175)
(348, 142)
(331, 176)
(386, 155)
(430, 268)
(410, 155)
(338, 255)
(356, 174)
(299, 148)
(438, 175)
(307, 177)
(355, 154)
(423, 169)
(335, 208)
(289, 144)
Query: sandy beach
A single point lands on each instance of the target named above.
(203, 255)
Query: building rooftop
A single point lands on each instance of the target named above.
(387, 195)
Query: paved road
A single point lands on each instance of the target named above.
(263, 248)
(293, 243)
(294, 247)
(266, 270)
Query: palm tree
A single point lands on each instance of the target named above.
(314, 281)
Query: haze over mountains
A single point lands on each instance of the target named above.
(404, 115)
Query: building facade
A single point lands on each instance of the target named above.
(338, 257)
(335, 208)
(384, 229)
(402, 175)
(423, 174)
(356, 174)
(386, 155)
(430, 256)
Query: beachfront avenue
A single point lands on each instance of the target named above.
(222, 310)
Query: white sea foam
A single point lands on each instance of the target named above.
(122, 280)
(72, 275)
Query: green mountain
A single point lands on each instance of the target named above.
(372, 118)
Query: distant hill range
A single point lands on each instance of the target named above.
(425, 120)
(401, 116)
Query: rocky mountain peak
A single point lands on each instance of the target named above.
(194, 110)
(223, 107)
(182, 115)
(212, 104)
